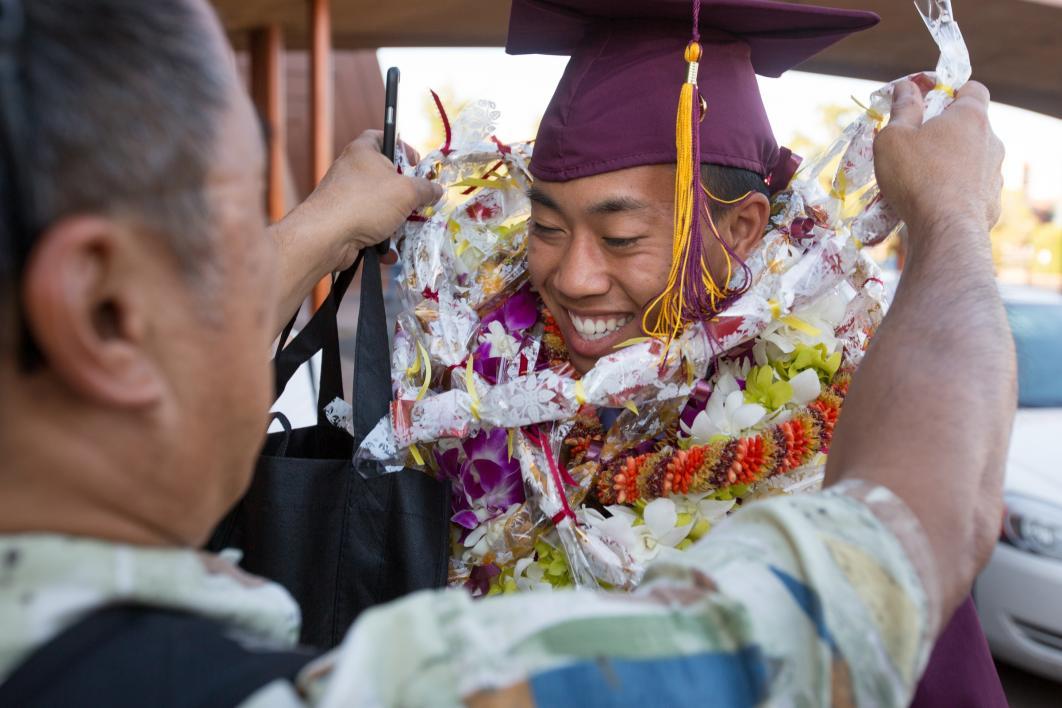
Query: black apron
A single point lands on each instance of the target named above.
(339, 540)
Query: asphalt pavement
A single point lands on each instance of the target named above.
(1025, 690)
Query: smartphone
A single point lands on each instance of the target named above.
(390, 130)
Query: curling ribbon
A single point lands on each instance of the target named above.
(445, 150)
(427, 371)
(539, 439)
(580, 392)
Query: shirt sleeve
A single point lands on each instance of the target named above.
(805, 600)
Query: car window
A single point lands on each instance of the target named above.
(1038, 339)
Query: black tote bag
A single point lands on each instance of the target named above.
(338, 540)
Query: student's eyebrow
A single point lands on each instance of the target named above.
(616, 205)
(537, 196)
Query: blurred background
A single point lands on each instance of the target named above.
(315, 70)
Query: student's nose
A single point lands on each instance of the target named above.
(583, 270)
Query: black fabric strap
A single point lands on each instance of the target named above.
(132, 655)
(371, 394)
(321, 334)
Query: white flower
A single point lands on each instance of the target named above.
(619, 530)
(727, 413)
(824, 315)
(806, 387)
(502, 344)
(530, 575)
(661, 516)
(737, 368)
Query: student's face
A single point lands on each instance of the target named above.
(600, 251)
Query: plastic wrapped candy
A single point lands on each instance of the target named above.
(544, 493)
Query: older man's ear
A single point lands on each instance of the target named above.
(87, 309)
(742, 225)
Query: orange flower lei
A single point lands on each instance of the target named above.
(721, 464)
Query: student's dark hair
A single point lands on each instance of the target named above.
(113, 108)
(730, 183)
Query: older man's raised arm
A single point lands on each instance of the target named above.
(945, 349)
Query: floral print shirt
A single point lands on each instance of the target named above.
(817, 599)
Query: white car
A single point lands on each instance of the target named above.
(1019, 593)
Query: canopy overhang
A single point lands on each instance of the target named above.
(1014, 43)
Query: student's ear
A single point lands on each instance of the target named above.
(746, 223)
(81, 304)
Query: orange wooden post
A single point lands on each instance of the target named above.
(321, 103)
(267, 90)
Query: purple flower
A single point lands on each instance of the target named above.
(485, 365)
(518, 313)
(483, 477)
(489, 477)
(450, 467)
(479, 579)
(801, 228)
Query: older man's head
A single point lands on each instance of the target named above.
(137, 299)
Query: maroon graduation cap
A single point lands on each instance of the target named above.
(615, 104)
(632, 62)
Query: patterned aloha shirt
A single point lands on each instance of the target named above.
(802, 601)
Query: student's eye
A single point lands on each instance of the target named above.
(621, 243)
(538, 229)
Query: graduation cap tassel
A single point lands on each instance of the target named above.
(691, 293)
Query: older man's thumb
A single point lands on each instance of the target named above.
(906, 105)
(426, 192)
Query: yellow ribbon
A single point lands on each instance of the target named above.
(511, 437)
(462, 247)
(633, 340)
(629, 405)
(946, 89)
(416, 455)
(470, 384)
(840, 190)
(799, 324)
(776, 309)
(427, 371)
(580, 392)
(877, 117)
(486, 183)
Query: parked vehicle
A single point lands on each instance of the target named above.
(1019, 593)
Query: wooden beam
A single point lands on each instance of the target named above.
(267, 90)
(321, 106)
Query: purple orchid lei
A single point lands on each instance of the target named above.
(486, 481)
(516, 316)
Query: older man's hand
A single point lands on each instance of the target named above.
(945, 169)
(361, 201)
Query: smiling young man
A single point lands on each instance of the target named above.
(600, 247)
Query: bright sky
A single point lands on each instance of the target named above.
(521, 87)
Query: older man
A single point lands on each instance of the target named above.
(139, 298)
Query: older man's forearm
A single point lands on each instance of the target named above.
(929, 414)
(301, 264)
